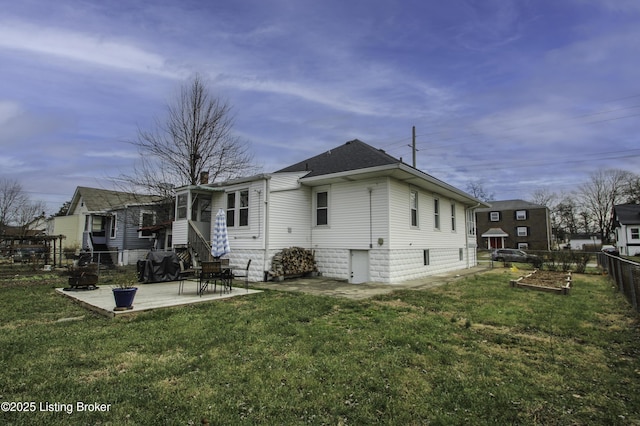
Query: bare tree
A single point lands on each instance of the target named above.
(29, 211)
(564, 217)
(544, 197)
(600, 194)
(477, 190)
(632, 190)
(12, 198)
(195, 137)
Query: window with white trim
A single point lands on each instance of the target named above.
(471, 222)
(113, 231)
(521, 215)
(413, 202)
(453, 216)
(522, 231)
(322, 208)
(238, 208)
(243, 211)
(436, 213)
(494, 216)
(635, 233)
(147, 219)
(181, 203)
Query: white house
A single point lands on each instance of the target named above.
(627, 228)
(366, 215)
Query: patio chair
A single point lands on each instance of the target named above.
(210, 271)
(244, 274)
(185, 273)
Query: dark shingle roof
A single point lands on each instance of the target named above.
(102, 199)
(627, 214)
(510, 205)
(353, 155)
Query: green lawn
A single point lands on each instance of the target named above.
(472, 352)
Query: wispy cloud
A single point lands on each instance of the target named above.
(101, 51)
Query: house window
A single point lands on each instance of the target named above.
(238, 208)
(461, 254)
(494, 216)
(453, 216)
(147, 219)
(322, 208)
(113, 227)
(98, 226)
(413, 201)
(181, 206)
(522, 231)
(425, 257)
(244, 208)
(635, 233)
(436, 213)
(523, 246)
(231, 209)
(471, 223)
(521, 215)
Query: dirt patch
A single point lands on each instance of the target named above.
(555, 282)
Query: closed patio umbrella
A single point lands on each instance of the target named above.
(220, 243)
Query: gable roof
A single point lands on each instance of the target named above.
(353, 155)
(627, 214)
(100, 200)
(357, 160)
(511, 205)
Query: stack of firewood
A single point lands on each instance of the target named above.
(294, 261)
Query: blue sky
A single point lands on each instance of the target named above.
(518, 95)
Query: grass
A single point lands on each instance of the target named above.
(472, 352)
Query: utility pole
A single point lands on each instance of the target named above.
(413, 146)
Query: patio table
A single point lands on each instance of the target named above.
(214, 271)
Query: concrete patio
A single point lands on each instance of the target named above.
(149, 296)
(162, 295)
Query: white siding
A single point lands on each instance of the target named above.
(404, 236)
(249, 237)
(354, 223)
(290, 218)
(179, 232)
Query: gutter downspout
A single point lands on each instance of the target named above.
(266, 228)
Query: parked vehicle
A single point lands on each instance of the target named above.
(27, 253)
(514, 255)
(611, 250)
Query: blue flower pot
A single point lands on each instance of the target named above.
(124, 297)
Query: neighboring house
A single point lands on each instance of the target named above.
(514, 224)
(589, 242)
(101, 220)
(366, 215)
(627, 228)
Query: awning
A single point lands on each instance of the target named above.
(495, 232)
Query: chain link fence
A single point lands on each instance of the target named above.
(626, 275)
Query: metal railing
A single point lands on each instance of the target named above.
(626, 275)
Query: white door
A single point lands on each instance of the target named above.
(359, 266)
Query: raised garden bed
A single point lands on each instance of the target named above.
(83, 277)
(549, 281)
